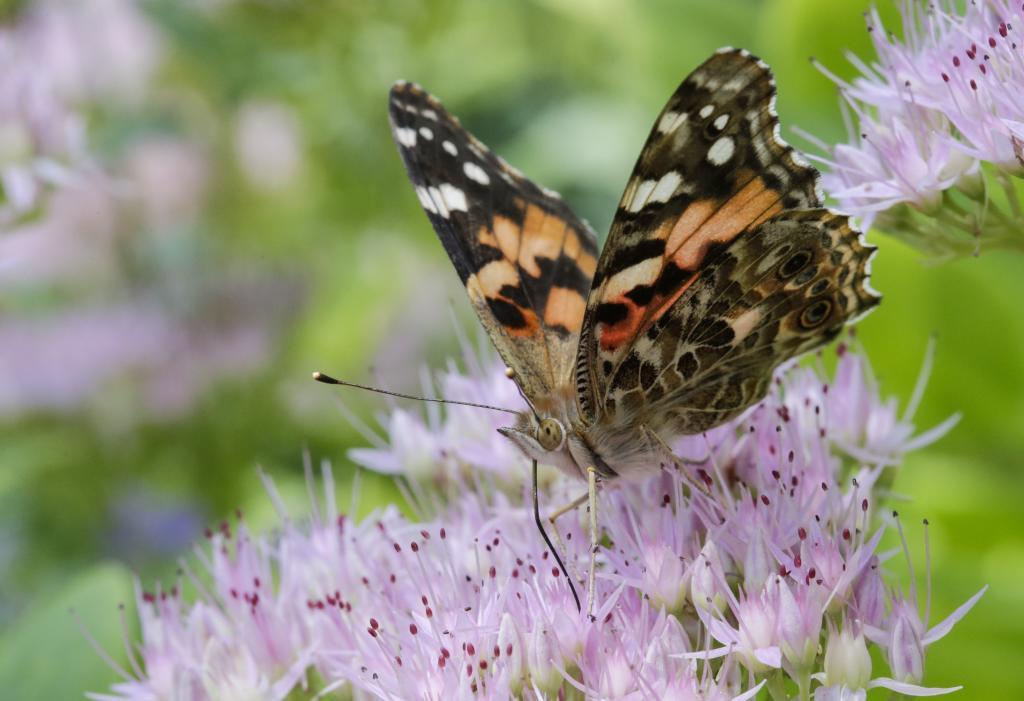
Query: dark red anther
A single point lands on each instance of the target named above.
(413, 629)
(846, 534)
(802, 533)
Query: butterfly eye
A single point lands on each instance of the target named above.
(550, 434)
(794, 264)
(815, 313)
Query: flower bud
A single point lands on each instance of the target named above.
(543, 673)
(706, 576)
(905, 651)
(847, 662)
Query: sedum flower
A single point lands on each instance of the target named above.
(936, 146)
(751, 564)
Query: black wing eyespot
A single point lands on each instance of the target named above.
(794, 264)
(815, 313)
(819, 287)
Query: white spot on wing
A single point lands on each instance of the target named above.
(641, 194)
(475, 172)
(454, 198)
(643, 273)
(449, 147)
(405, 136)
(425, 200)
(666, 187)
(721, 151)
(429, 114)
(670, 121)
(666, 122)
(426, 133)
(721, 121)
(706, 111)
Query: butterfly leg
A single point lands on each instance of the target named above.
(592, 511)
(656, 442)
(554, 516)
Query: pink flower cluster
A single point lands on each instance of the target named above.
(937, 127)
(755, 566)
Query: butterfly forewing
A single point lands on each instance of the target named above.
(525, 258)
(690, 309)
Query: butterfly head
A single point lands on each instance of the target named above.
(539, 438)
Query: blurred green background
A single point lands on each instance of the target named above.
(242, 218)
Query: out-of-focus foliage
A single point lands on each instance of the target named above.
(238, 217)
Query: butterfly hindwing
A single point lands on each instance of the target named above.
(774, 292)
(688, 312)
(525, 258)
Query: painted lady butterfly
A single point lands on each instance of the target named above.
(721, 263)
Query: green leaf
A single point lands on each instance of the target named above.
(45, 655)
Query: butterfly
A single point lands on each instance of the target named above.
(721, 263)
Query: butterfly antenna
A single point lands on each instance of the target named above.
(551, 547)
(328, 380)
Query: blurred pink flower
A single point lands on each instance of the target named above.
(160, 362)
(757, 557)
(59, 56)
(268, 144)
(166, 179)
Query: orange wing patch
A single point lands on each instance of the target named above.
(705, 222)
(530, 252)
